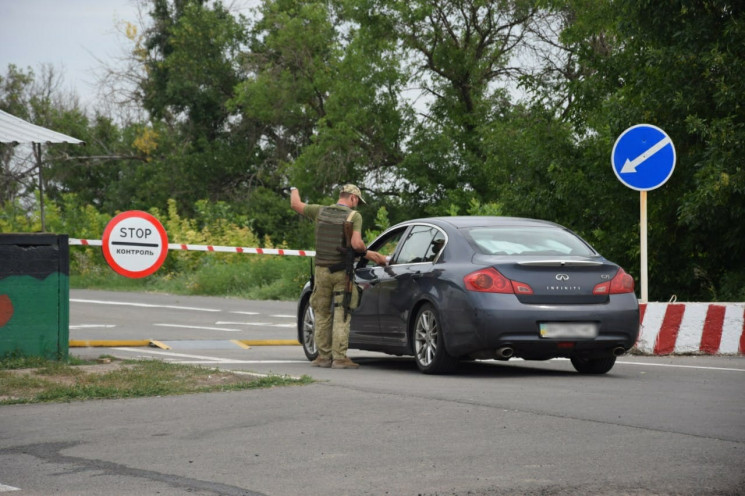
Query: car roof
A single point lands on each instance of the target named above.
(459, 222)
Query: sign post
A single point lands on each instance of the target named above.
(135, 244)
(643, 159)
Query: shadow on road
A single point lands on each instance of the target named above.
(474, 368)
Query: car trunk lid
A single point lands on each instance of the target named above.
(569, 280)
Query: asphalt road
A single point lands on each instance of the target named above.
(652, 426)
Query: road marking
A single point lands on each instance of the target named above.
(283, 316)
(270, 342)
(206, 359)
(143, 305)
(74, 343)
(216, 360)
(267, 324)
(198, 327)
(245, 313)
(4, 488)
(700, 367)
(242, 345)
(221, 322)
(92, 326)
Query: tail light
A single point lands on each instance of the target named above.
(621, 283)
(492, 281)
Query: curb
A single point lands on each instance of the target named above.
(691, 328)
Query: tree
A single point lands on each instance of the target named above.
(192, 54)
(678, 66)
(14, 89)
(323, 94)
(462, 57)
(36, 99)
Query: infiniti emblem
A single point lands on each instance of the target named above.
(562, 277)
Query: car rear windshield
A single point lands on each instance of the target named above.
(527, 241)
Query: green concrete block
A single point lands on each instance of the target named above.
(34, 295)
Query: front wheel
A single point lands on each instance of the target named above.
(429, 343)
(308, 331)
(593, 365)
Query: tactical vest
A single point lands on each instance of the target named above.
(330, 235)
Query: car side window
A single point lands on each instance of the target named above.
(386, 245)
(418, 246)
(435, 247)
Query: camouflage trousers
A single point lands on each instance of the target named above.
(331, 328)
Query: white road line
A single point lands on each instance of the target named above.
(206, 359)
(143, 305)
(4, 488)
(245, 313)
(641, 364)
(198, 327)
(221, 322)
(204, 362)
(172, 354)
(725, 369)
(284, 316)
(92, 326)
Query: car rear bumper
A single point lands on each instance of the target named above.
(484, 323)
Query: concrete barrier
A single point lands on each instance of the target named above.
(34, 295)
(692, 328)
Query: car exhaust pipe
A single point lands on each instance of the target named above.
(618, 351)
(505, 352)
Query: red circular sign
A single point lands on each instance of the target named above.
(135, 244)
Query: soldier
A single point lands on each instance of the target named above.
(330, 277)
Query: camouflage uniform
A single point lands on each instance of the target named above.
(332, 337)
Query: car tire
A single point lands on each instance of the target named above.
(429, 343)
(595, 366)
(307, 326)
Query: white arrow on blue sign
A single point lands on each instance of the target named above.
(643, 157)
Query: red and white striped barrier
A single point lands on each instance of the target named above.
(211, 248)
(698, 328)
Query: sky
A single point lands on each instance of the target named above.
(68, 34)
(71, 35)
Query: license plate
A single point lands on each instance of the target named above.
(582, 330)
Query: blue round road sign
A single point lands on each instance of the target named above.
(643, 157)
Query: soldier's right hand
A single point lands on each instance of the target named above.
(376, 257)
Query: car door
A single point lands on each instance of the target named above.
(365, 325)
(400, 284)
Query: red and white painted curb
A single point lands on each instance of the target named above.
(212, 248)
(692, 328)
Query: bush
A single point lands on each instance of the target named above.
(184, 272)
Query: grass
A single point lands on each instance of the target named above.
(35, 380)
(250, 277)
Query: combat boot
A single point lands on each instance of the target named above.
(344, 363)
(322, 362)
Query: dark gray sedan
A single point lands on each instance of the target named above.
(462, 288)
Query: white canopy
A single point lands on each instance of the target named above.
(14, 130)
(17, 131)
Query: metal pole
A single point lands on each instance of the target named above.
(37, 153)
(643, 239)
